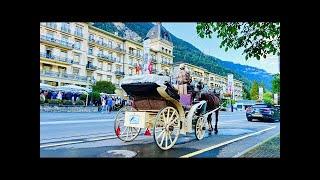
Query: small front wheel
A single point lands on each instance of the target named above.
(200, 128)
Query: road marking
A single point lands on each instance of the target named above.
(227, 115)
(252, 147)
(85, 140)
(59, 144)
(76, 121)
(224, 143)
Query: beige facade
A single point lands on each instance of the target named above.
(80, 54)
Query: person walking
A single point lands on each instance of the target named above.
(103, 105)
(109, 103)
(59, 95)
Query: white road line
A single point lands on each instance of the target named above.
(226, 115)
(224, 143)
(76, 121)
(86, 140)
(59, 144)
(252, 147)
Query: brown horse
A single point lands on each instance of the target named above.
(213, 102)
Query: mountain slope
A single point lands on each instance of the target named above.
(186, 52)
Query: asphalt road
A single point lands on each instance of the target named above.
(92, 135)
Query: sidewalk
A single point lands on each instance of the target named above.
(268, 149)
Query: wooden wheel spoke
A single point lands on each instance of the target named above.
(160, 133)
(162, 140)
(166, 139)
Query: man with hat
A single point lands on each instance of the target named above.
(183, 79)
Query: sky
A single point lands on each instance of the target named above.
(187, 32)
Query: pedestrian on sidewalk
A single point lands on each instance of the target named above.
(103, 108)
(109, 103)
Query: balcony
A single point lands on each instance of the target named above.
(61, 75)
(91, 40)
(131, 64)
(154, 60)
(119, 73)
(138, 55)
(78, 33)
(135, 54)
(65, 29)
(51, 25)
(75, 62)
(105, 57)
(91, 67)
(120, 49)
(50, 57)
(117, 61)
(166, 63)
(74, 77)
(78, 47)
(57, 42)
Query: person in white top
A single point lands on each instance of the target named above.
(59, 96)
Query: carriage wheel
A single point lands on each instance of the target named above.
(166, 128)
(200, 128)
(125, 133)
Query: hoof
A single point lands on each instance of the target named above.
(215, 131)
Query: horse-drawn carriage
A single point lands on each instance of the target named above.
(156, 105)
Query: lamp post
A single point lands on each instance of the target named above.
(92, 82)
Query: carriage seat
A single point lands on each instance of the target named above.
(172, 92)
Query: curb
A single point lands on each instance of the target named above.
(249, 149)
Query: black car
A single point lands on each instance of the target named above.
(263, 112)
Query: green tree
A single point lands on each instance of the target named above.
(246, 93)
(254, 92)
(104, 87)
(94, 96)
(276, 83)
(268, 98)
(258, 39)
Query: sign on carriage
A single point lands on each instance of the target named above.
(135, 119)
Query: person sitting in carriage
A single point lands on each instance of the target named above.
(183, 79)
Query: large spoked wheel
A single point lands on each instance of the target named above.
(200, 128)
(166, 128)
(125, 133)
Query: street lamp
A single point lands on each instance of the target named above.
(92, 82)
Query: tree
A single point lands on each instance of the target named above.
(258, 39)
(246, 93)
(94, 96)
(254, 92)
(268, 98)
(276, 83)
(104, 87)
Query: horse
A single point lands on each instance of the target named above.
(213, 102)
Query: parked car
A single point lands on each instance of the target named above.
(263, 112)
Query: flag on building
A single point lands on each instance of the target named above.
(230, 85)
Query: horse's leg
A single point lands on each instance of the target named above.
(210, 123)
(216, 125)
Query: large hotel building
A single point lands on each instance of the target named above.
(81, 54)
